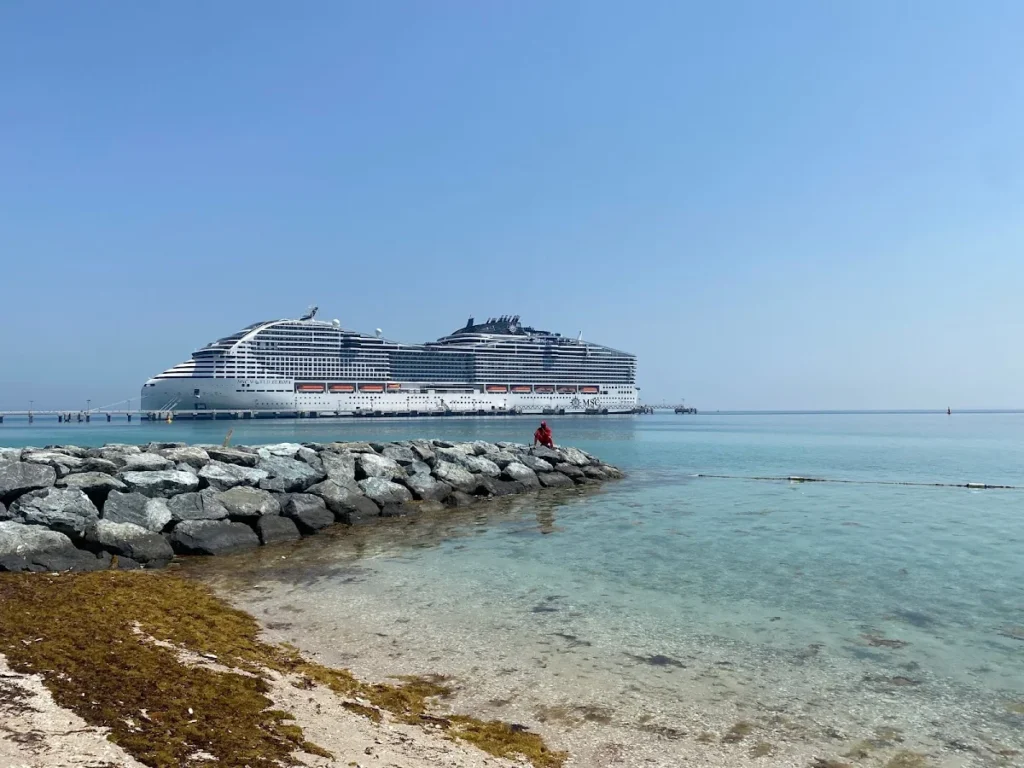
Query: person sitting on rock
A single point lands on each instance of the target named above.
(543, 436)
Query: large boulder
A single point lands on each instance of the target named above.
(163, 483)
(152, 514)
(249, 503)
(309, 512)
(95, 485)
(285, 450)
(10, 454)
(191, 455)
(612, 473)
(372, 465)
(458, 499)
(309, 456)
(536, 463)
(67, 510)
(340, 467)
(570, 470)
(156, 445)
(348, 447)
(212, 537)
(418, 468)
(205, 505)
(554, 480)
(482, 447)
(286, 475)
(61, 462)
(551, 455)
(145, 462)
(132, 541)
(383, 491)
(17, 477)
(575, 456)
(34, 548)
(423, 450)
(503, 458)
(233, 456)
(425, 487)
(458, 477)
(273, 529)
(595, 473)
(221, 476)
(94, 464)
(400, 454)
(478, 465)
(346, 502)
(520, 473)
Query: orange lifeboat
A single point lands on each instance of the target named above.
(588, 390)
(394, 387)
(497, 389)
(565, 389)
(371, 387)
(309, 387)
(544, 389)
(522, 389)
(341, 388)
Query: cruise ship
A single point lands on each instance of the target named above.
(310, 366)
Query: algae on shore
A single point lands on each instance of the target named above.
(109, 647)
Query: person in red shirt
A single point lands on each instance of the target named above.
(543, 435)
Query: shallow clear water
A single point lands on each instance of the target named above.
(634, 621)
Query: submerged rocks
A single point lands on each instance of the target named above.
(212, 537)
(63, 507)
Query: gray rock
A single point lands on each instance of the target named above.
(95, 485)
(19, 539)
(612, 473)
(520, 473)
(152, 514)
(569, 470)
(212, 537)
(10, 454)
(340, 467)
(286, 475)
(442, 444)
(451, 455)
(155, 446)
(222, 476)
(535, 463)
(478, 465)
(145, 462)
(309, 512)
(17, 477)
(426, 487)
(94, 464)
(205, 505)
(418, 468)
(482, 447)
(458, 477)
(191, 455)
(248, 503)
(423, 451)
(550, 455)
(399, 454)
(348, 447)
(61, 462)
(383, 491)
(285, 450)
(66, 510)
(504, 487)
(164, 483)
(273, 529)
(575, 456)
(347, 503)
(132, 541)
(183, 467)
(554, 480)
(372, 465)
(595, 473)
(120, 448)
(309, 456)
(503, 458)
(233, 456)
(34, 548)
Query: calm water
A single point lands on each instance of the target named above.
(638, 623)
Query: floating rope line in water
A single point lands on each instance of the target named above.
(799, 479)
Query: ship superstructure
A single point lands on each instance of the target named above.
(311, 366)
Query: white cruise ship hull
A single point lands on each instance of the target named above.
(189, 394)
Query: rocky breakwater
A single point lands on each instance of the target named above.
(71, 508)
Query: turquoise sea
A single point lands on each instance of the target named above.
(678, 618)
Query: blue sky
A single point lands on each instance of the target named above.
(774, 205)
